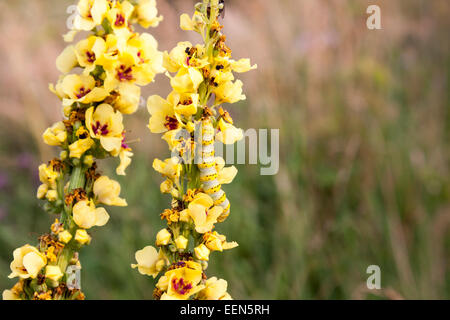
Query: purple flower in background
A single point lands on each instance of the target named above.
(25, 160)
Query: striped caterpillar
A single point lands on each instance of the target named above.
(208, 170)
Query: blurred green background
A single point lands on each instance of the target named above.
(364, 119)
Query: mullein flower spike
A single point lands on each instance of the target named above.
(112, 63)
(199, 72)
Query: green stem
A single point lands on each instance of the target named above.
(65, 258)
(77, 179)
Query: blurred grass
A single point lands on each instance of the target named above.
(364, 123)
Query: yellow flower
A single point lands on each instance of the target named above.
(181, 242)
(48, 176)
(28, 262)
(242, 65)
(202, 252)
(91, 14)
(225, 175)
(56, 135)
(195, 24)
(50, 254)
(184, 215)
(166, 186)
(79, 147)
(119, 16)
(163, 238)
(176, 59)
(107, 192)
(88, 50)
(218, 242)
(216, 289)
(10, 295)
(125, 160)
(162, 115)
(144, 49)
(229, 92)
(186, 80)
(82, 237)
(86, 215)
(67, 60)
(106, 125)
(69, 36)
(52, 195)
(228, 133)
(88, 160)
(124, 70)
(148, 14)
(64, 236)
(170, 168)
(149, 261)
(129, 98)
(174, 138)
(182, 283)
(53, 272)
(227, 65)
(114, 45)
(185, 104)
(135, 60)
(82, 89)
(42, 191)
(203, 213)
(57, 89)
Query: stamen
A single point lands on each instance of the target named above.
(125, 73)
(98, 128)
(171, 123)
(90, 56)
(120, 20)
(82, 92)
(180, 286)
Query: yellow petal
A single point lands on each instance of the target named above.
(101, 217)
(129, 98)
(111, 144)
(33, 262)
(186, 22)
(67, 60)
(227, 175)
(243, 65)
(84, 214)
(125, 161)
(9, 295)
(107, 192)
(53, 272)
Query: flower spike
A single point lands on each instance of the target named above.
(115, 61)
(194, 176)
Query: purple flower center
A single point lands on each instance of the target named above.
(120, 20)
(171, 123)
(125, 73)
(180, 286)
(82, 92)
(90, 56)
(98, 128)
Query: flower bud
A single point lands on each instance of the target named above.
(88, 161)
(202, 252)
(64, 236)
(181, 242)
(82, 236)
(163, 237)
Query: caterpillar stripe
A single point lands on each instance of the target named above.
(208, 171)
